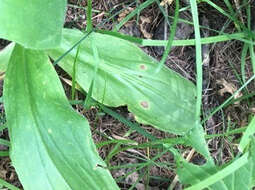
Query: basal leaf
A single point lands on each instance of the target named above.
(126, 76)
(191, 174)
(196, 138)
(239, 174)
(51, 144)
(5, 55)
(33, 23)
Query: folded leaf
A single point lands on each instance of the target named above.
(126, 76)
(51, 144)
(32, 23)
(5, 55)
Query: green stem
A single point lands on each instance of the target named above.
(89, 16)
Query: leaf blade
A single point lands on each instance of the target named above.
(126, 76)
(32, 23)
(47, 131)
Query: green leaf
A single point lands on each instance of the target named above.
(51, 144)
(5, 55)
(249, 132)
(189, 173)
(196, 138)
(35, 24)
(239, 174)
(126, 76)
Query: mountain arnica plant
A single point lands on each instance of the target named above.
(51, 145)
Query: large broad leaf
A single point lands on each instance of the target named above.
(51, 145)
(32, 23)
(126, 76)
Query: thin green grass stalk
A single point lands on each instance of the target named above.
(243, 61)
(163, 143)
(85, 8)
(157, 143)
(171, 37)
(172, 141)
(133, 13)
(115, 14)
(159, 164)
(139, 178)
(115, 141)
(85, 36)
(229, 138)
(125, 166)
(137, 2)
(5, 142)
(163, 12)
(115, 148)
(189, 42)
(145, 164)
(239, 78)
(225, 37)
(134, 126)
(252, 55)
(2, 127)
(233, 14)
(103, 135)
(159, 178)
(71, 48)
(74, 72)
(199, 61)
(138, 157)
(239, 25)
(89, 16)
(251, 47)
(230, 8)
(89, 100)
(248, 12)
(4, 153)
(242, 98)
(147, 179)
(228, 133)
(128, 123)
(222, 11)
(8, 185)
(201, 26)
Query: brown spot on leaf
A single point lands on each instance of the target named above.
(143, 67)
(145, 104)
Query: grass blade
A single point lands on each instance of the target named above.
(171, 37)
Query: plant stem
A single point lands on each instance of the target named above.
(89, 16)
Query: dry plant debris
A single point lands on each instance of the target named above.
(228, 88)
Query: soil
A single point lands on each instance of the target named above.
(220, 81)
